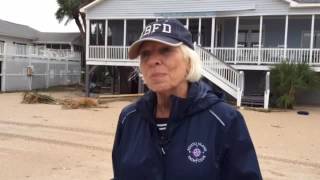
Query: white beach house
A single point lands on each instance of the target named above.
(238, 40)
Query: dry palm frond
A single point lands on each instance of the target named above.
(79, 103)
(35, 98)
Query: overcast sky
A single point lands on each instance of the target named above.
(38, 14)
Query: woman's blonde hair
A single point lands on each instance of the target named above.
(194, 73)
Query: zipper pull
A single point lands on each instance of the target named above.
(163, 152)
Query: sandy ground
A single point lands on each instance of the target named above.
(47, 142)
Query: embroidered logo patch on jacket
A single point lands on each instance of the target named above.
(197, 152)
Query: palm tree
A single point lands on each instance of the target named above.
(287, 78)
(69, 10)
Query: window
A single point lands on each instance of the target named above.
(55, 46)
(134, 29)
(97, 32)
(115, 35)
(317, 40)
(21, 48)
(305, 41)
(65, 46)
(194, 29)
(1, 47)
(77, 48)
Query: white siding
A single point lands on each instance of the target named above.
(156, 8)
(152, 8)
(272, 7)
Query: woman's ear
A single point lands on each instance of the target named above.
(188, 66)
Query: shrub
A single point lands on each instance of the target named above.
(287, 78)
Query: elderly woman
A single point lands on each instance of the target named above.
(179, 130)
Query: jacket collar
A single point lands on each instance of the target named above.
(200, 96)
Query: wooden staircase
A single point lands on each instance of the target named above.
(223, 75)
(253, 100)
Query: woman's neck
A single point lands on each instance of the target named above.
(163, 100)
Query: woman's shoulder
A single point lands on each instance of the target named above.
(226, 112)
(127, 111)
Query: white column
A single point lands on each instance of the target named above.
(187, 23)
(240, 88)
(144, 23)
(4, 67)
(285, 43)
(106, 39)
(311, 38)
(260, 40)
(71, 47)
(236, 41)
(213, 32)
(67, 72)
(87, 38)
(48, 73)
(124, 38)
(199, 32)
(267, 91)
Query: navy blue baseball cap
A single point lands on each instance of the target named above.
(167, 31)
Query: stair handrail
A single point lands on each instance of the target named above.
(227, 77)
(221, 69)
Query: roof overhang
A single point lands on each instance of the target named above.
(295, 4)
(90, 5)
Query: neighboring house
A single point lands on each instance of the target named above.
(238, 40)
(30, 59)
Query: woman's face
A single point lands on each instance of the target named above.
(163, 67)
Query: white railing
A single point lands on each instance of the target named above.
(272, 55)
(224, 54)
(97, 52)
(316, 56)
(108, 52)
(268, 56)
(247, 55)
(221, 73)
(117, 52)
(298, 55)
(19, 50)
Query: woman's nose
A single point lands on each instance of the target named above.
(155, 59)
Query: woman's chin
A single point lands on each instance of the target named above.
(159, 88)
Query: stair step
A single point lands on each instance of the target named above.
(252, 100)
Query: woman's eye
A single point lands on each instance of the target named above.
(144, 54)
(165, 50)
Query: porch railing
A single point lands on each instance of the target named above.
(19, 50)
(225, 54)
(268, 56)
(250, 56)
(316, 57)
(108, 52)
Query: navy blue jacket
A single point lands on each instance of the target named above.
(207, 140)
